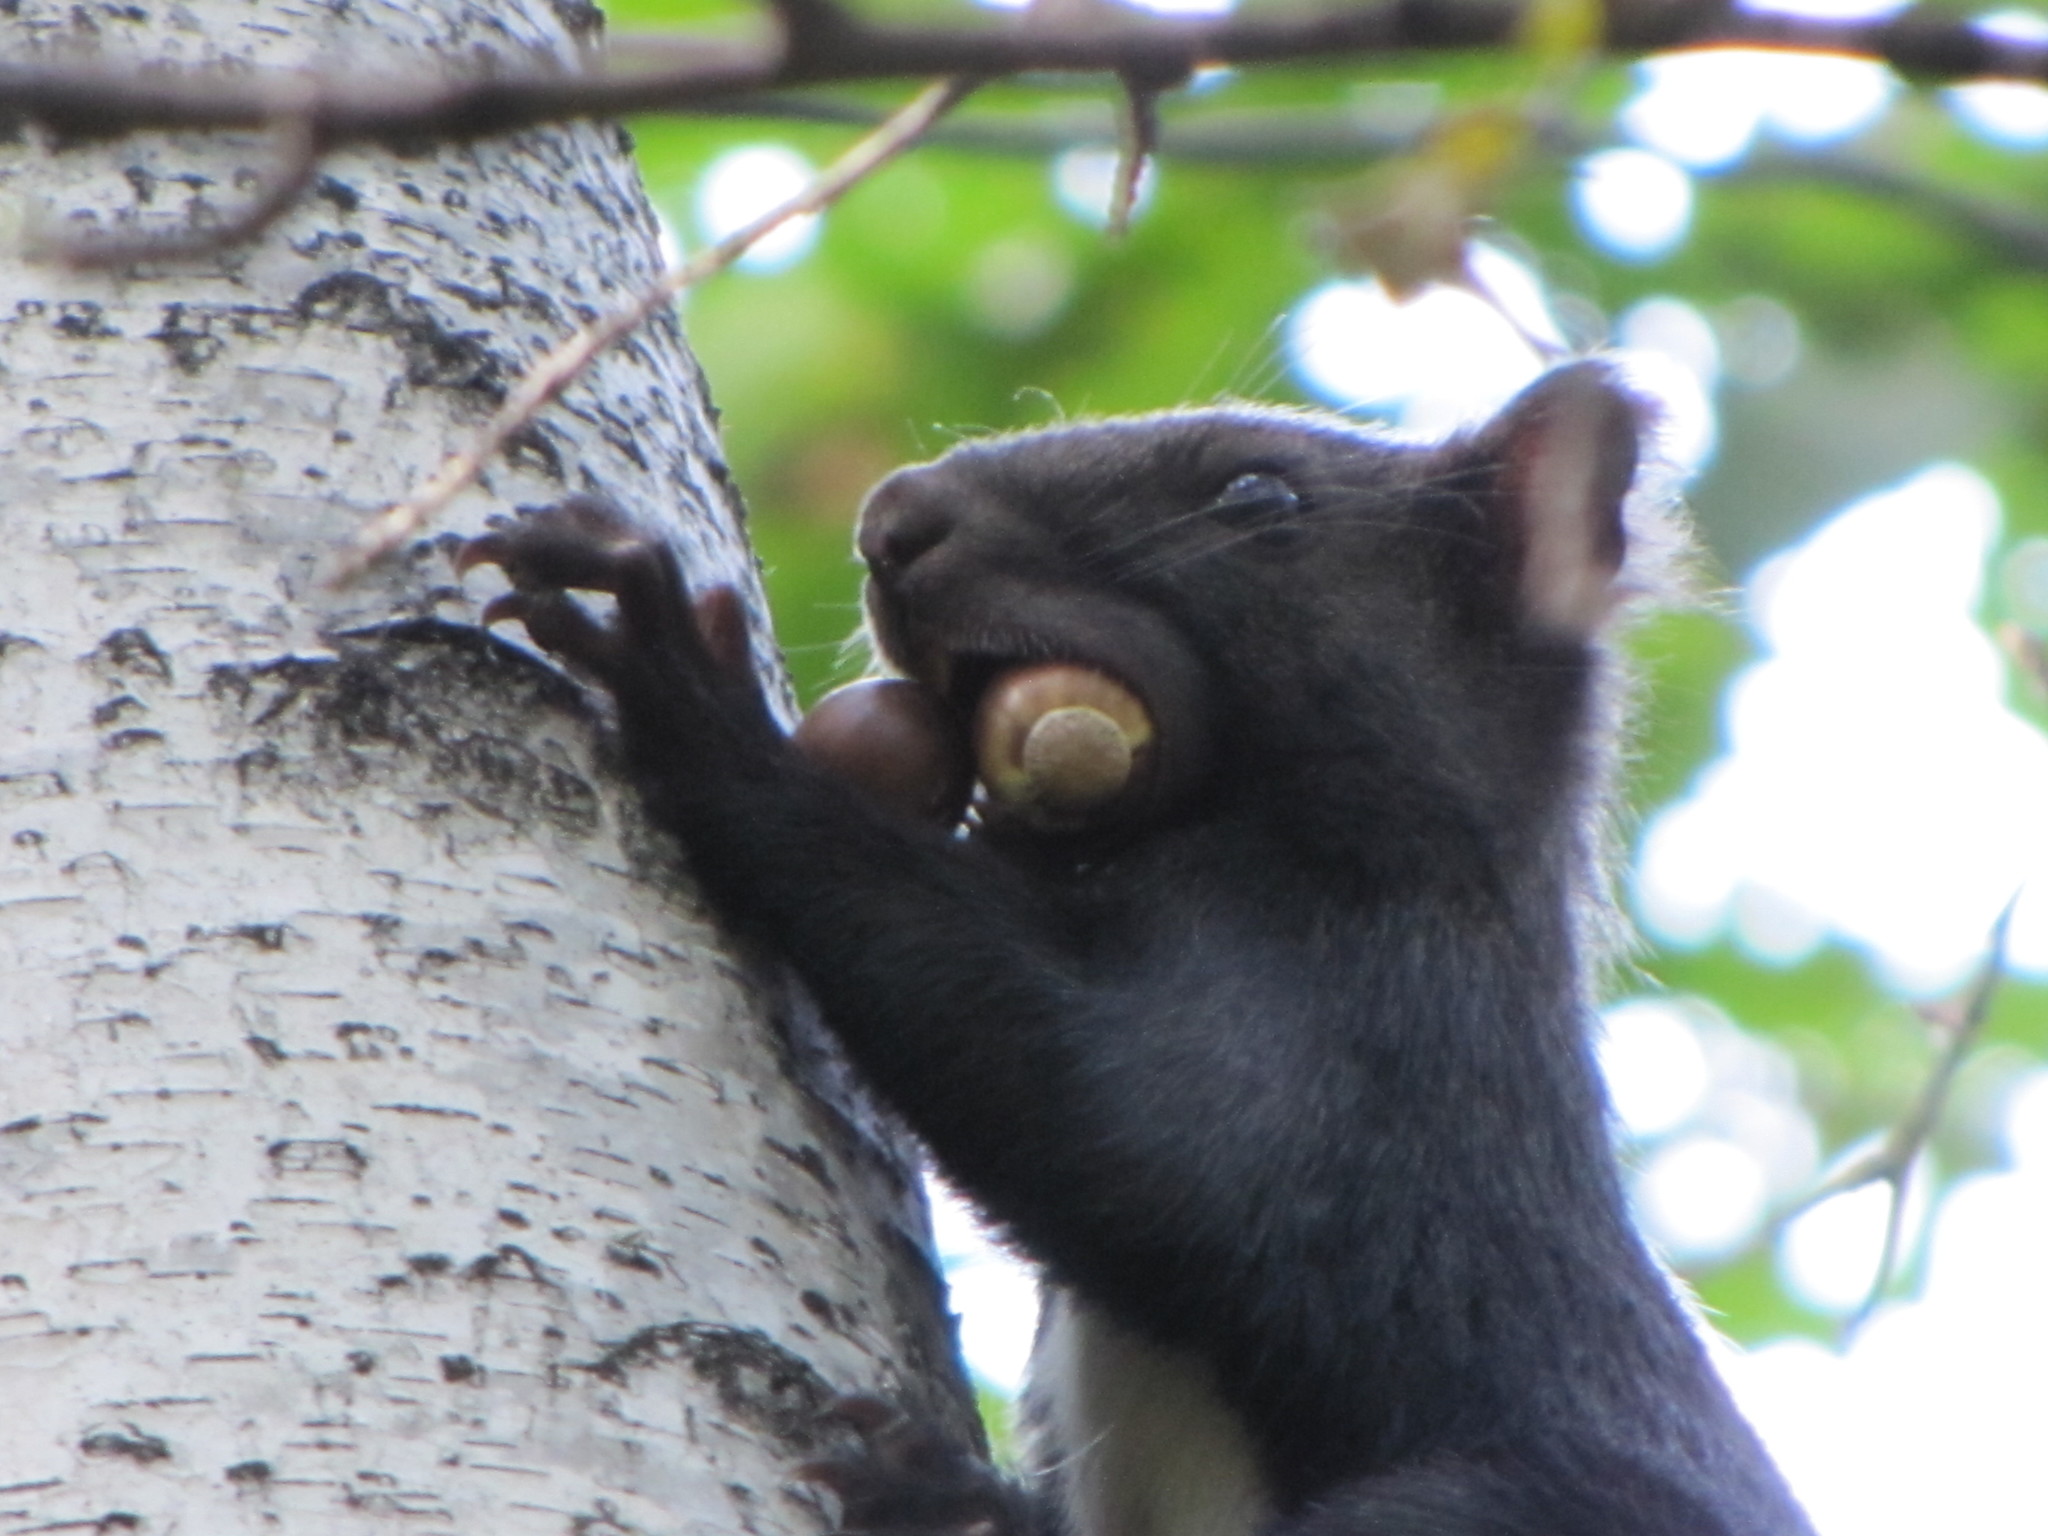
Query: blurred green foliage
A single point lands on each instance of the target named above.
(1924, 335)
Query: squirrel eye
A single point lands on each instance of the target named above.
(1258, 499)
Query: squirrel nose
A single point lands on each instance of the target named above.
(893, 538)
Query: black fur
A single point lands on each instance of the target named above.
(1286, 1065)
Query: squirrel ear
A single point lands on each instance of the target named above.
(1562, 455)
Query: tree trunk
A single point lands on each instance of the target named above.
(383, 1138)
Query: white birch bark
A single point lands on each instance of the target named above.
(383, 1143)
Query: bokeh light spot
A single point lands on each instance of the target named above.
(1084, 180)
(1018, 285)
(1702, 1197)
(1633, 203)
(1655, 1067)
(1441, 360)
(741, 185)
(1704, 108)
(1875, 787)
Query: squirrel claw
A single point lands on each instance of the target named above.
(503, 607)
(484, 549)
(583, 542)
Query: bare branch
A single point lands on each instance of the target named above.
(2015, 231)
(1323, 136)
(554, 372)
(1892, 1161)
(1264, 136)
(821, 42)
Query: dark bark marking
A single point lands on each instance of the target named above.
(758, 1382)
(135, 1444)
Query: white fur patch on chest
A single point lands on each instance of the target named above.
(1134, 1439)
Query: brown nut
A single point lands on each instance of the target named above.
(1055, 742)
(897, 741)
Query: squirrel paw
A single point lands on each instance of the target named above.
(588, 544)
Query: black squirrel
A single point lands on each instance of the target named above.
(1279, 1063)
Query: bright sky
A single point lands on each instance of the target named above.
(1936, 1417)
(1874, 787)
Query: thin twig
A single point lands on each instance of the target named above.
(1140, 143)
(553, 373)
(1892, 1161)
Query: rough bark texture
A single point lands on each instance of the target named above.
(382, 1143)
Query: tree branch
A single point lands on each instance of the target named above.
(1264, 136)
(2014, 230)
(819, 42)
(1334, 137)
(1892, 1161)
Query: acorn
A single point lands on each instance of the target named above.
(897, 741)
(1056, 742)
